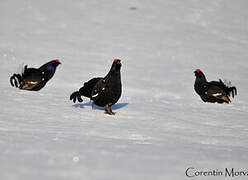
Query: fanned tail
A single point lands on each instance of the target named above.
(229, 89)
(76, 96)
(85, 90)
(88, 87)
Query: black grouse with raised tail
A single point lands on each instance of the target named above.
(34, 79)
(103, 92)
(213, 91)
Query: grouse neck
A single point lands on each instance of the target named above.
(201, 78)
(114, 70)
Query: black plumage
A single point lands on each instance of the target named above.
(213, 91)
(103, 92)
(34, 79)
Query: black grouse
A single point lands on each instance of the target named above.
(213, 91)
(34, 79)
(103, 92)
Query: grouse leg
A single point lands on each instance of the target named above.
(106, 109)
(110, 111)
(92, 105)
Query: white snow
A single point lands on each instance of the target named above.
(161, 127)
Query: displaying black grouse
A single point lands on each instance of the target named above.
(214, 91)
(34, 79)
(103, 92)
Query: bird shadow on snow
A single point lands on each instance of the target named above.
(114, 107)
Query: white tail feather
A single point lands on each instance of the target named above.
(227, 83)
(20, 69)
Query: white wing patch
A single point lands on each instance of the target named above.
(217, 94)
(33, 82)
(95, 95)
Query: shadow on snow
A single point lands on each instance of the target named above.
(114, 107)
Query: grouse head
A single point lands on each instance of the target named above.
(49, 68)
(50, 64)
(55, 63)
(199, 75)
(116, 66)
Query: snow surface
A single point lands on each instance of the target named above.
(161, 127)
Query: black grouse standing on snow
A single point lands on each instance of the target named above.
(103, 92)
(214, 91)
(34, 79)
